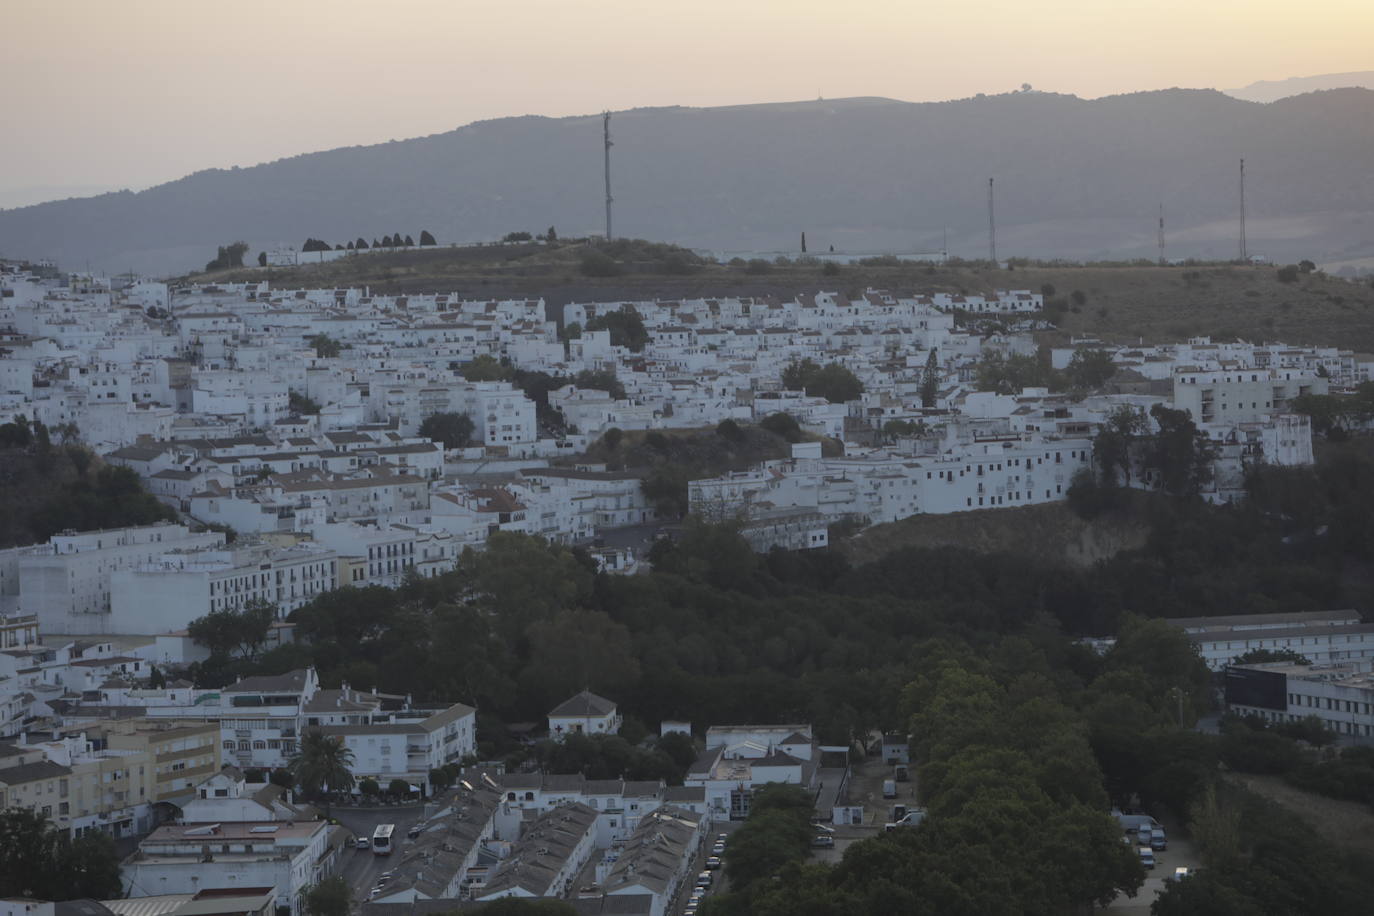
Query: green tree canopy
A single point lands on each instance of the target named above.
(322, 764)
(486, 368)
(324, 346)
(832, 381)
(241, 632)
(625, 324)
(331, 897)
(39, 861)
(452, 430)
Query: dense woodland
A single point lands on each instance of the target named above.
(49, 482)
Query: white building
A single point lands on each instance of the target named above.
(165, 594)
(584, 714)
(1322, 637)
(68, 582)
(185, 858)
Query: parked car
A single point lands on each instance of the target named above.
(713, 863)
(1182, 872)
(823, 841)
(889, 788)
(705, 879)
(1147, 857)
(364, 843)
(718, 849)
(1158, 841)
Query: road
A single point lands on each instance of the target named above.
(361, 868)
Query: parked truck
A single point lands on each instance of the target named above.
(909, 819)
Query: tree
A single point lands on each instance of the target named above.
(262, 259)
(370, 787)
(410, 242)
(322, 764)
(398, 788)
(612, 437)
(37, 860)
(626, 327)
(426, 238)
(361, 243)
(1306, 266)
(331, 897)
(1288, 274)
(349, 247)
(325, 346)
(452, 430)
(1114, 446)
(599, 264)
(517, 237)
(836, 383)
(301, 405)
(577, 650)
(487, 368)
(1180, 453)
(782, 424)
(930, 380)
(551, 235)
(1261, 656)
(1090, 369)
(228, 632)
(832, 381)
(600, 380)
(229, 256)
(441, 778)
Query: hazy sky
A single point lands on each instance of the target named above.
(128, 93)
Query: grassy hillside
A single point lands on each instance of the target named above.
(1119, 303)
(1050, 534)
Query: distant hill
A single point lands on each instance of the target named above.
(1273, 90)
(1075, 178)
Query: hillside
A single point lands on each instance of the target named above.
(1075, 178)
(1120, 303)
(1050, 534)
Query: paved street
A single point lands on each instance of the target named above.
(361, 868)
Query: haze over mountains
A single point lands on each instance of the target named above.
(1075, 178)
(1273, 90)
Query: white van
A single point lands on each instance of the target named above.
(1147, 856)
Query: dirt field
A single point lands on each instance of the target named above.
(1050, 533)
(1347, 824)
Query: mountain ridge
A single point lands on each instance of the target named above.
(1075, 178)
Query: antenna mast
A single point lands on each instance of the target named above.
(992, 229)
(1243, 252)
(606, 132)
(1161, 235)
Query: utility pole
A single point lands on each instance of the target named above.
(992, 229)
(606, 132)
(1161, 235)
(1244, 255)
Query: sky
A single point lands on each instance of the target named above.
(100, 95)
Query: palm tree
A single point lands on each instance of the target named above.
(322, 764)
